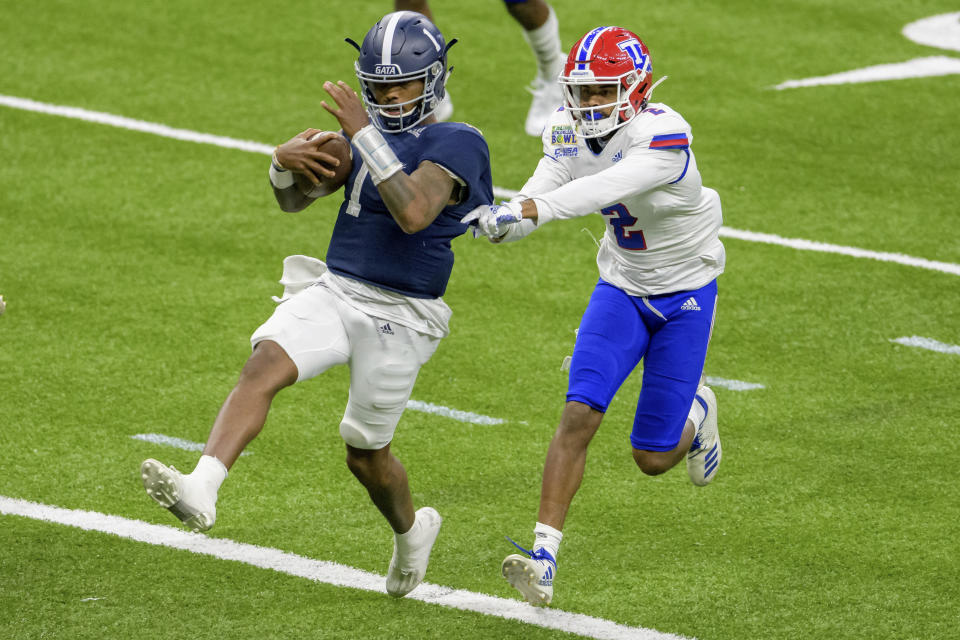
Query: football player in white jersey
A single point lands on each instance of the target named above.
(610, 150)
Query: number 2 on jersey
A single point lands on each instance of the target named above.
(621, 221)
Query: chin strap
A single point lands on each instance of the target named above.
(655, 84)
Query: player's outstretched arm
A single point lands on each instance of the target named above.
(297, 169)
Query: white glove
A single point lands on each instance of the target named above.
(494, 220)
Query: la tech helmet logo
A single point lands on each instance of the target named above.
(633, 49)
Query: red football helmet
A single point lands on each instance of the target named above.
(607, 56)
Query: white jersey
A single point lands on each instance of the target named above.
(662, 223)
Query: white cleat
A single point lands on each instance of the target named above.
(533, 576)
(705, 452)
(167, 487)
(411, 553)
(547, 98)
(444, 110)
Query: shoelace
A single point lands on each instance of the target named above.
(697, 444)
(538, 554)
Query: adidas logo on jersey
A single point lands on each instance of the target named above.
(690, 305)
(386, 329)
(619, 156)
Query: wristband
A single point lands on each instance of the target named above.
(279, 177)
(377, 155)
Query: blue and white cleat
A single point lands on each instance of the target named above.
(705, 452)
(532, 576)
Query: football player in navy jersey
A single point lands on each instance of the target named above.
(376, 304)
(613, 151)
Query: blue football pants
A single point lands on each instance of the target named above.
(669, 332)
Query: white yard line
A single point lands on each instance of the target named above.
(928, 343)
(917, 68)
(327, 572)
(822, 247)
(500, 192)
(134, 125)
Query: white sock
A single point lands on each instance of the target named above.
(209, 474)
(546, 537)
(405, 540)
(545, 43)
(409, 532)
(697, 414)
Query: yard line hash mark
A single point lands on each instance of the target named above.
(456, 414)
(170, 441)
(327, 572)
(928, 343)
(500, 192)
(734, 385)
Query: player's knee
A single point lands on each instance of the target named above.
(652, 463)
(357, 436)
(579, 421)
(367, 465)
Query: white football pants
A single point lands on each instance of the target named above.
(318, 330)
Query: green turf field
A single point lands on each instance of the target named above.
(136, 266)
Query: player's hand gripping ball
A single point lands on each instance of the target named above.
(338, 147)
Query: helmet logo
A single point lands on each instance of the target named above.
(635, 51)
(387, 70)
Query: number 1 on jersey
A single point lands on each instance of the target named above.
(621, 221)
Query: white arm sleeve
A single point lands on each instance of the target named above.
(640, 170)
(516, 231)
(549, 175)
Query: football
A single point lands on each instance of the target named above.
(339, 148)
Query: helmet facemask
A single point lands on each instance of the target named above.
(394, 118)
(591, 119)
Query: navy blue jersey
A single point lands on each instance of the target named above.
(368, 245)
